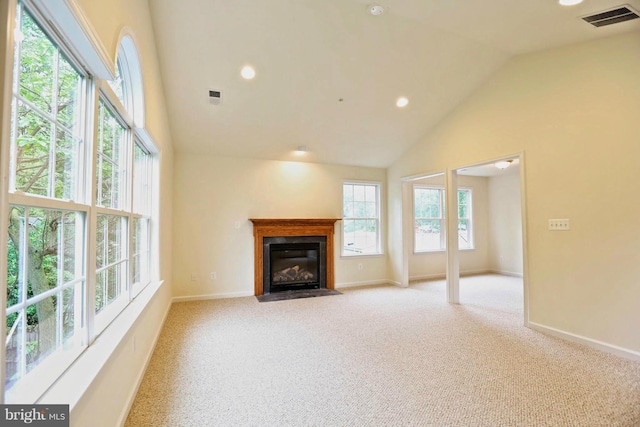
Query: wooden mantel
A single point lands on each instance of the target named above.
(270, 227)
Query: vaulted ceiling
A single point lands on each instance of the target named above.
(328, 72)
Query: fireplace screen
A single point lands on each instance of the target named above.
(294, 263)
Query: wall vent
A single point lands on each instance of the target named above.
(613, 16)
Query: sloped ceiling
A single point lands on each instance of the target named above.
(329, 73)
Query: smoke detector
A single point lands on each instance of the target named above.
(376, 9)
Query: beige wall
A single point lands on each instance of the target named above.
(574, 112)
(434, 264)
(505, 223)
(212, 194)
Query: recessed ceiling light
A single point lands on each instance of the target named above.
(402, 102)
(248, 72)
(376, 9)
(569, 2)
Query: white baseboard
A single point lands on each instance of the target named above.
(132, 395)
(428, 277)
(213, 296)
(598, 345)
(438, 276)
(474, 272)
(506, 273)
(365, 283)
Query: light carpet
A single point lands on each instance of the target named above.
(379, 356)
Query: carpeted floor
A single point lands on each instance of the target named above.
(379, 356)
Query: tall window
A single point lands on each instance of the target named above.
(78, 229)
(430, 219)
(361, 219)
(465, 234)
(45, 241)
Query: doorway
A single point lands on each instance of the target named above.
(491, 239)
(499, 229)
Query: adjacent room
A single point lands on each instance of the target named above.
(244, 213)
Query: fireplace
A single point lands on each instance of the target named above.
(293, 253)
(294, 262)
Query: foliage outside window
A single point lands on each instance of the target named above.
(65, 209)
(430, 219)
(361, 219)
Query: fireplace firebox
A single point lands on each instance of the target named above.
(294, 262)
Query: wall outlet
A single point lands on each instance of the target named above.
(237, 225)
(360, 267)
(194, 277)
(559, 224)
(213, 275)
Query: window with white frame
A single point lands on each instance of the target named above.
(361, 218)
(429, 219)
(465, 222)
(78, 234)
(429, 216)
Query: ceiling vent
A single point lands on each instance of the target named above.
(613, 16)
(215, 97)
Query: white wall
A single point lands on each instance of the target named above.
(427, 265)
(212, 194)
(505, 223)
(574, 112)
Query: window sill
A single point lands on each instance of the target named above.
(380, 255)
(441, 251)
(72, 384)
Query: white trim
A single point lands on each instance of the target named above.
(71, 386)
(134, 391)
(8, 11)
(506, 273)
(70, 22)
(595, 344)
(435, 276)
(365, 283)
(453, 254)
(462, 274)
(212, 296)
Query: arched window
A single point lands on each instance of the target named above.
(123, 193)
(128, 82)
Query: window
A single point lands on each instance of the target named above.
(45, 240)
(361, 219)
(430, 215)
(465, 235)
(78, 237)
(429, 219)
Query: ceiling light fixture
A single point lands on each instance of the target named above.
(376, 9)
(302, 149)
(503, 164)
(569, 2)
(247, 72)
(402, 102)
